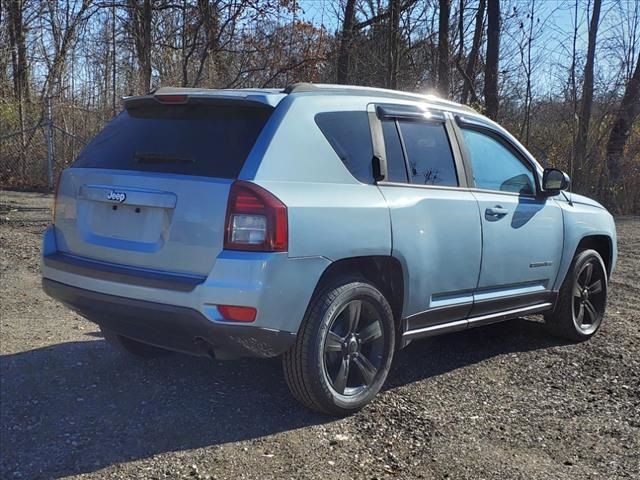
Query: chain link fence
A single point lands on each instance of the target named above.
(33, 157)
(23, 159)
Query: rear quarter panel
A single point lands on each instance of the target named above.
(331, 214)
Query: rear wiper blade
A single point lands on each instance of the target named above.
(160, 158)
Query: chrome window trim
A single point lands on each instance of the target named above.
(456, 189)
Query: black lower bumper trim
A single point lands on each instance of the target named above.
(122, 274)
(168, 326)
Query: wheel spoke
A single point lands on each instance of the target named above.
(371, 332)
(580, 315)
(595, 287)
(340, 382)
(353, 311)
(333, 342)
(577, 289)
(591, 311)
(588, 273)
(366, 368)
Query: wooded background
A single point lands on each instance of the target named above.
(562, 75)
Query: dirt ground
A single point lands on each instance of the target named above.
(500, 402)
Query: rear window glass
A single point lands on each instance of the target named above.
(203, 140)
(349, 135)
(428, 153)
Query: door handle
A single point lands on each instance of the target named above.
(496, 212)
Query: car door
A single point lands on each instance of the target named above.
(522, 230)
(436, 231)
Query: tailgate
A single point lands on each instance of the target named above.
(151, 190)
(158, 222)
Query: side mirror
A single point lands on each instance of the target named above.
(554, 180)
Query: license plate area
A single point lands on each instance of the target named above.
(127, 227)
(128, 222)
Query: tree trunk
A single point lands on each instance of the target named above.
(210, 17)
(461, 31)
(392, 59)
(525, 129)
(470, 72)
(629, 111)
(19, 70)
(587, 96)
(183, 49)
(574, 90)
(345, 42)
(443, 47)
(491, 66)
(145, 82)
(20, 67)
(141, 17)
(113, 59)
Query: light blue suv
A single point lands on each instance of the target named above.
(330, 225)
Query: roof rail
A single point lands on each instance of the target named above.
(383, 92)
(300, 87)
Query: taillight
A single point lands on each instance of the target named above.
(256, 220)
(55, 199)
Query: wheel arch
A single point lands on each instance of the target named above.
(383, 271)
(603, 244)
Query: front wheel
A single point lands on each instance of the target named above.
(344, 349)
(582, 299)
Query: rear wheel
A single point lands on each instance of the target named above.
(133, 347)
(582, 299)
(344, 349)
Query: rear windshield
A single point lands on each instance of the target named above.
(198, 139)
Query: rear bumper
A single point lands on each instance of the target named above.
(176, 328)
(279, 287)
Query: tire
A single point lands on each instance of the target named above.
(133, 347)
(582, 299)
(343, 350)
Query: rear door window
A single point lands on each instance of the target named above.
(191, 139)
(429, 156)
(350, 136)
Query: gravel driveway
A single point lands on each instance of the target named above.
(504, 401)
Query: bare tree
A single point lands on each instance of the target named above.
(491, 67)
(19, 64)
(63, 36)
(210, 15)
(627, 114)
(113, 58)
(140, 19)
(528, 65)
(345, 42)
(574, 88)
(587, 95)
(17, 42)
(393, 47)
(443, 47)
(468, 87)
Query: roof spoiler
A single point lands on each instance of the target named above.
(186, 96)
